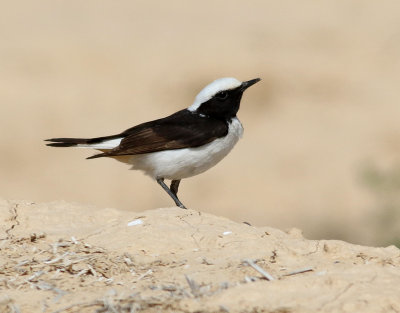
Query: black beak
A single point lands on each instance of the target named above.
(249, 83)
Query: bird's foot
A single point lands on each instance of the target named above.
(182, 206)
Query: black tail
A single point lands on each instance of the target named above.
(71, 142)
(66, 142)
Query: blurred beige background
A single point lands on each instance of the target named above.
(321, 149)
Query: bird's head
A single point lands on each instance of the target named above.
(221, 98)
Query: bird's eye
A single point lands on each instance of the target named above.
(222, 95)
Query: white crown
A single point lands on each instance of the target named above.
(211, 89)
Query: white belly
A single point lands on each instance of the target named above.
(183, 163)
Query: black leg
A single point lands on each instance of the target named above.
(174, 187)
(173, 195)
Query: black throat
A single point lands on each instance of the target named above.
(223, 106)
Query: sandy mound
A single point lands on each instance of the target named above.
(61, 257)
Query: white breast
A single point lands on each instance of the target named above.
(183, 163)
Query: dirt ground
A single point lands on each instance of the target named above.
(61, 257)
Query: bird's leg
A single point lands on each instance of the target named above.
(174, 186)
(172, 194)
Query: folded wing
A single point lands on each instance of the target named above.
(183, 129)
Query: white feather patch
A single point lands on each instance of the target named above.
(210, 90)
(109, 144)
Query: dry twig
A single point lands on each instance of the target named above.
(304, 270)
(264, 273)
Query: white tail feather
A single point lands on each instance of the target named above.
(109, 144)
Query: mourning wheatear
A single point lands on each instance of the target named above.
(181, 145)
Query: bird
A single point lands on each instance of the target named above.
(181, 145)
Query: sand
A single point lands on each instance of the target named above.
(63, 257)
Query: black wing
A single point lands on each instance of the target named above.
(184, 129)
